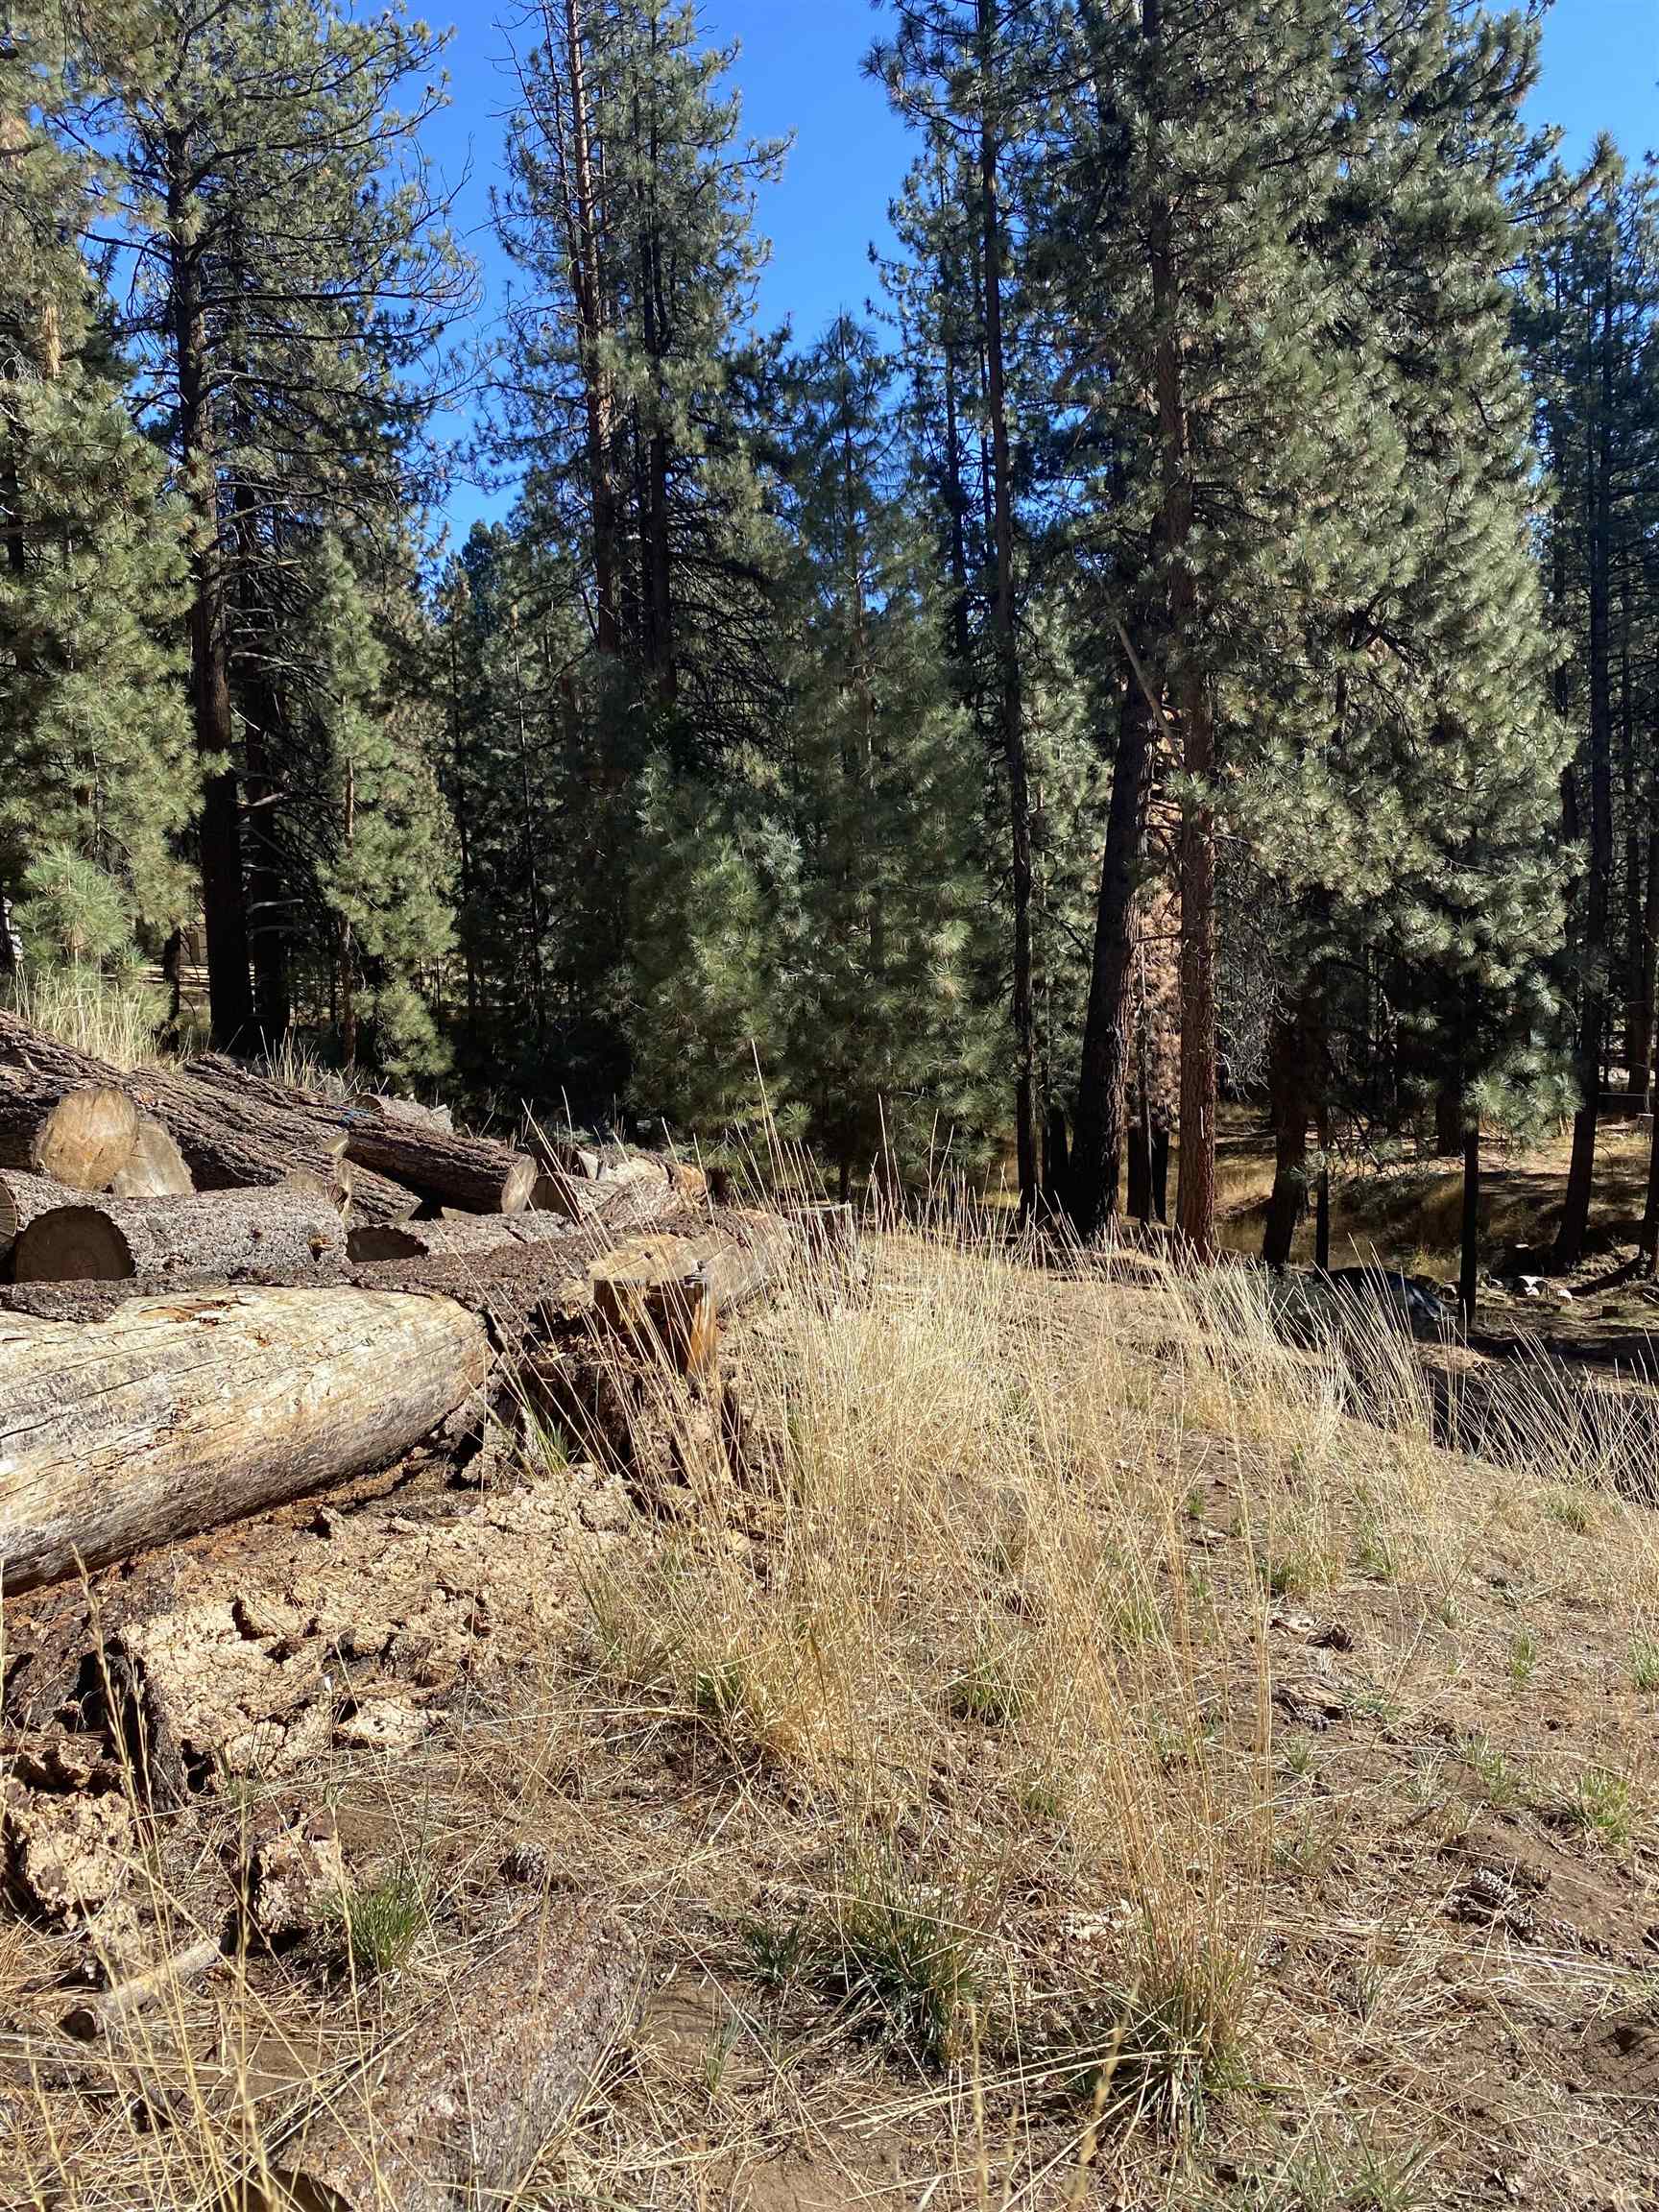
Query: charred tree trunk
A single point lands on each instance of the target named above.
(1011, 702)
(1575, 1226)
(1103, 1086)
(1469, 1271)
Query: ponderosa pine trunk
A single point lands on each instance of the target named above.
(1290, 1090)
(590, 319)
(1190, 689)
(1102, 1082)
(1570, 1239)
(225, 916)
(1011, 700)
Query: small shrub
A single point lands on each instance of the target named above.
(1523, 1656)
(1492, 1770)
(900, 1954)
(1645, 1663)
(383, 1924)
(1570, 1509)
(1602, 1804)
(988, 1690)
(892, 1947)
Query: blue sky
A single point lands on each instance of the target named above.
(799, 72)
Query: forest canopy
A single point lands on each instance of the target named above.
(1196, 635)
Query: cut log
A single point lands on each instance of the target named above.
(279, 1235)
(457, 1235)
(155, 1167)
(469, 1173)
(462, 2109)
(172, 1416)
(82, 1135)
(113, 2007)
(625, 1194)
(22, 1198)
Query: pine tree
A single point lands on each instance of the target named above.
(378, 906)
(1587, 319)
(293, 278)
(965, 71)
(98, 779)
(887, 1047)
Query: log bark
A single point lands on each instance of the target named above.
(155, 1167)
(167, 1418)
(462, 1236)
(80, 1134)
(280, 1235)
(22, 1198)
(470, 1172)
(226, 1145)
(463, 2108)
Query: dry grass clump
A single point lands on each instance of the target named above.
(112, 1018)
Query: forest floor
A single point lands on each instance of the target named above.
(1407, 1214)
(1075, 1759)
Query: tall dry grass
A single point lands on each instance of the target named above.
(114, 1019)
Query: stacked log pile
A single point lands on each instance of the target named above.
(221, 1294)
(273, 1372)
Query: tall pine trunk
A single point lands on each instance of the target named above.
(590, 297)
(1290, 1072)
(1575, 1226)
(224, 907)
(1196, 855)
(1102, 1084)
(1011, 701)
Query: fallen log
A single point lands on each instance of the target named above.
(460, 1235)
(155, 1167)
(473, 1173)
(462, 2109)
(22, 1198)
(224, 1151)
(80, 1134)
(279, 1234)
(173, 1415)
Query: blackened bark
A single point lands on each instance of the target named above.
(1575, 1226)
(225, 916)
(1468, 1279)
(1102, 1082)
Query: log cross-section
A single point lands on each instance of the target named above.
(177, 1414)
(277, 1236)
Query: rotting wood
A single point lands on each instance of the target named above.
(463, 2106)
(178, 1413)
(112, 2009)
(279, 1234)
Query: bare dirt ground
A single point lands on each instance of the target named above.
(1069, 1759)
